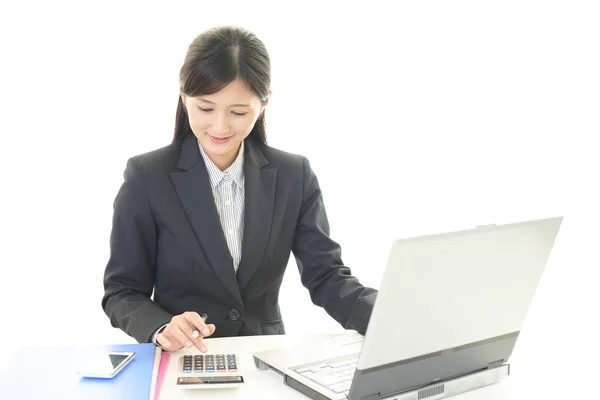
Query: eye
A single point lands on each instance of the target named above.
(238, 114)
(205, 109)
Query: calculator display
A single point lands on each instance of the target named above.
(189, 380)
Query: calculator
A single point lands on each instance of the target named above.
(209, 371)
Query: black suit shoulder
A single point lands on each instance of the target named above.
(159, 160)
(283, 159)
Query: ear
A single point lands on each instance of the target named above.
(183, 99)
(265, 103)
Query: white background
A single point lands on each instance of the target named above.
(418, 118)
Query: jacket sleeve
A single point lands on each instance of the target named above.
(130, 272)
(322, 272)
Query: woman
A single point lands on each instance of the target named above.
(209, 221)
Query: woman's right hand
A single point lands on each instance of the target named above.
(179, 332)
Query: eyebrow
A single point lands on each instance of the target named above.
(233, 105)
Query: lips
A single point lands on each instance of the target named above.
(219, 140)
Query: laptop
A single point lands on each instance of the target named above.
(448, 314)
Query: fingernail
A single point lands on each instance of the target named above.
(166, 343)
(203, 349)
(205, 331)
(188, 343)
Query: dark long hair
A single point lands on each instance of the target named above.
(216, 58)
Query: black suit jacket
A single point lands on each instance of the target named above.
(167, 238)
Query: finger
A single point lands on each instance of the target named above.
(165, 344)
(194, 336)
(198, 339)
(162, 340)
(211, 329)
(200, 345)
(195, 320)
(175, 334)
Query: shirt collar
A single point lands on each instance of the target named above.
(235, 170)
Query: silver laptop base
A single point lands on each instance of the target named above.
(454, 386)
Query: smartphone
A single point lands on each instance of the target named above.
(105, 364)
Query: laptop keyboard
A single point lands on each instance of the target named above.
(336, 375)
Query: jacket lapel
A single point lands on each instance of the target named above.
(193, 187)
(259, 199)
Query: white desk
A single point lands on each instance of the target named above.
(529, 379)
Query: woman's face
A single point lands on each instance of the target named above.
(222, 120)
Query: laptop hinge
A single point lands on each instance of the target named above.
(379, 396)
(374, 396)
(495, 364)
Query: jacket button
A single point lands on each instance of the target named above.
(204, 316)
(234, 314)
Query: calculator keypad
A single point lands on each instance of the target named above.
(208, 364)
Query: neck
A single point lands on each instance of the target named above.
(224, 161)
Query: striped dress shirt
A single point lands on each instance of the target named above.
(228, 192)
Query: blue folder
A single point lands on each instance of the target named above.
(51, 373)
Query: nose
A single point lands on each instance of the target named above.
(220, 125)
